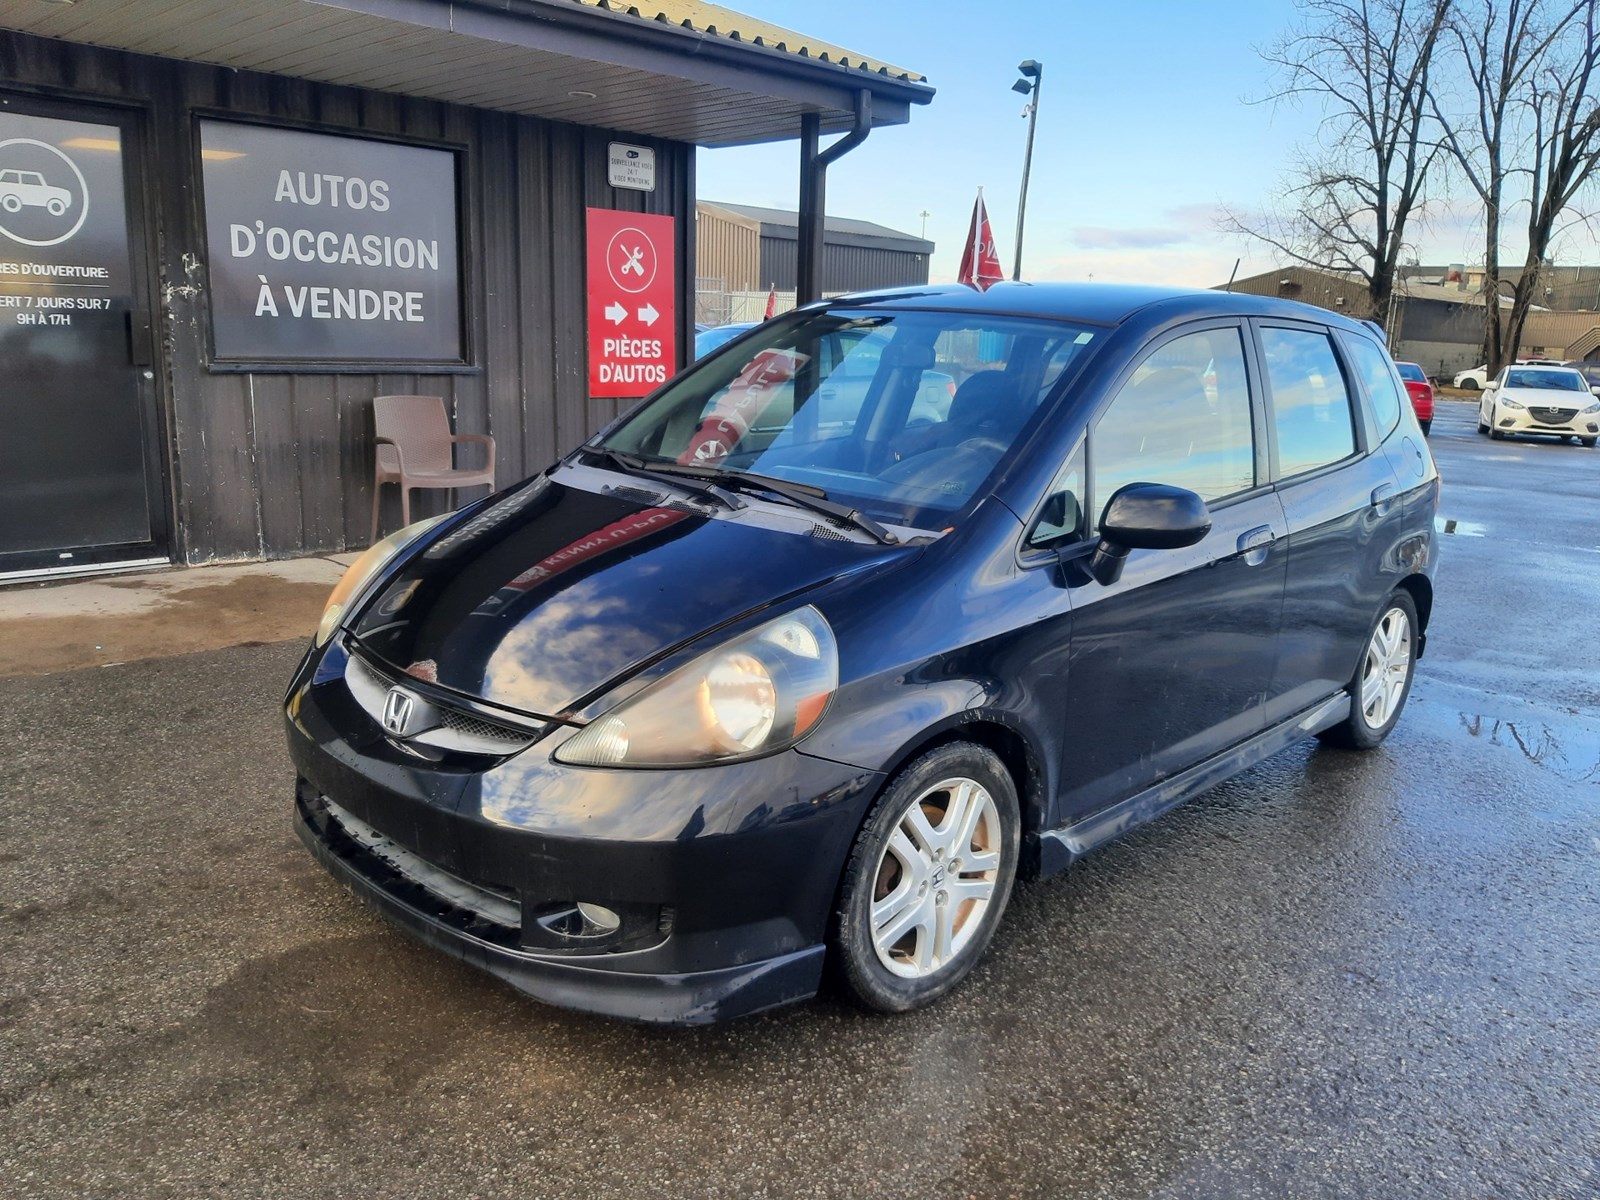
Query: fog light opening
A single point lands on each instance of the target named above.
(1504, 421)
(580, 921)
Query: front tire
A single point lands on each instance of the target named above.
(1589, 443)
(1382, 682)
(927, 879)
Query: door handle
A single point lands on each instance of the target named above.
(1255, 543)
(1382, 494)
(1257, 539)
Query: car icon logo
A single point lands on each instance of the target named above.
(397, 709)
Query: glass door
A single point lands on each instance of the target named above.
(80, 444)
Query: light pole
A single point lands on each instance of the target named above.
(1028, 85)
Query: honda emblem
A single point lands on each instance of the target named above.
(397, 710)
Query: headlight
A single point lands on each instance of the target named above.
(1512, 404)
(1591, 410)
(759, 693)
(363, 571)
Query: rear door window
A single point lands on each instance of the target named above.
(1312, 417)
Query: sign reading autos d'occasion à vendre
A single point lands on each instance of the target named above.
(326, 248)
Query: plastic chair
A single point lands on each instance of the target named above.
(416, 449)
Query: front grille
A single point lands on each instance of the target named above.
(1552, 416)
(458, 729)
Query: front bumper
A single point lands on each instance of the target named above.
(723, 877)
(690, 998)
(1533, 421)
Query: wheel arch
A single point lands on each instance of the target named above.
(1017, 752)
(1420, 588)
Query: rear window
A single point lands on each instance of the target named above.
(1412, 372)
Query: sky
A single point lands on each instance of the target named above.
(1146, 132)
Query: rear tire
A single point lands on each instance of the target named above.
(1382, 682)
(928, 878)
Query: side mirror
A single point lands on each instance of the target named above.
(1146, 516)
(1596, 389)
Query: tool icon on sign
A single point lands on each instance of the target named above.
(631, 260)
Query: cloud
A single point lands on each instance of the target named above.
(1098, 237)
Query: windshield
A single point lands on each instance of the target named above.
(903, 415)
(1558, 381)
(1412, 372)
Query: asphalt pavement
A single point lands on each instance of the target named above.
(1339, 975)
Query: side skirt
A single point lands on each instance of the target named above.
(1060, 847)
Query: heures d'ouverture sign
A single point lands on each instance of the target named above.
(326, 248)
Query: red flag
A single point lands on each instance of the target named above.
(980, 265)
(772, 303)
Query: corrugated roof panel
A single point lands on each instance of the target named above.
(718, 21)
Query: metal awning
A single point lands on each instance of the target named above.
(678, 69)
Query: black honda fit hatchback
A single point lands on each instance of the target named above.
(801, 662)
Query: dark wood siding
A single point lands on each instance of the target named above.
(273, 464)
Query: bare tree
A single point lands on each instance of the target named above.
(1564, 110)
(1502, 44)
(1368, 63)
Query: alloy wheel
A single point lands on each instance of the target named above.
(1387, 667)
(936, 877)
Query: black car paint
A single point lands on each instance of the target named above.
(970, 635)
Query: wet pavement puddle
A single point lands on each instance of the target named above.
(1571, 750)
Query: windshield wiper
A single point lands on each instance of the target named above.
(802, 494)
(684, 481)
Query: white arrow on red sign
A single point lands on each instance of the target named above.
(615, 313)
(648, 314)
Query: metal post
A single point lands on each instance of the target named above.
(813, 193)
(1035, 72)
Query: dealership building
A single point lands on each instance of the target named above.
(226, 227)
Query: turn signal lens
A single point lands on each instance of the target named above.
(759, 693)
(363, 571)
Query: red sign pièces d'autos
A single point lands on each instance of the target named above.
(632, 302)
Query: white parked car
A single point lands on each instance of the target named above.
(1530, 399)
(1474, 377)
(18, 188)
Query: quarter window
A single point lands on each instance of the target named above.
(1311, 405)
(1183, 418)
(1378, 377)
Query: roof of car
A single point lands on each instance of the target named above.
(1092, 303)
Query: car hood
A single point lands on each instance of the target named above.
(552, 594)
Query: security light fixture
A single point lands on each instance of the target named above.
(1032, 76)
